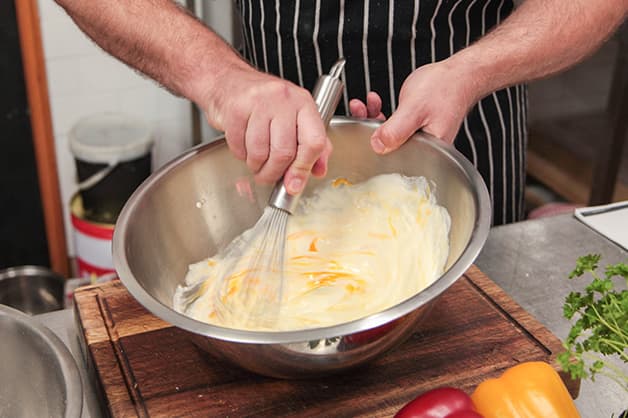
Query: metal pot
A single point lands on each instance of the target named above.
(31, 289)
(199, 202)
(38, 376)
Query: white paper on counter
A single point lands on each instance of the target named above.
(609, 220)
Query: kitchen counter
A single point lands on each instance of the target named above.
(530, 260)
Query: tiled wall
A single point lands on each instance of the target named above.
(83, 80)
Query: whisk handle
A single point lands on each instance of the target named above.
(326, 93)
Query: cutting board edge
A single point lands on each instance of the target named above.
(532, 326)
(98, 351)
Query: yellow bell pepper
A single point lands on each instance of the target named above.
(527, 390)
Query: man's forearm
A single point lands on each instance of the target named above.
(540, 38)
(159, 39)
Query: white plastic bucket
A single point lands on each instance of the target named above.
(92, 243)
(112, 152)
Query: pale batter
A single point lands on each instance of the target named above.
(351, 250)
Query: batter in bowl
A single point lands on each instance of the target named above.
(351, 250)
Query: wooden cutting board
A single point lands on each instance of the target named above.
(147, 368)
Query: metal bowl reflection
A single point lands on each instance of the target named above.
(194, 205)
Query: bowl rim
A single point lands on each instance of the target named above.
(457, 269)
(30, 270)
(67, 365)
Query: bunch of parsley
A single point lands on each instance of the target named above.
(601, 327)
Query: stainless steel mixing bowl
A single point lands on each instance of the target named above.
(199, 202)
(38, 376)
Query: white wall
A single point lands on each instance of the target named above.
(82, 80)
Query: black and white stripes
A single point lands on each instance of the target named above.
(383, 41)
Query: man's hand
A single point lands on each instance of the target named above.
(271, 124)
(434, 98)
(540, 38)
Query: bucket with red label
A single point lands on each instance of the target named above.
(112, 152)
(92, 243)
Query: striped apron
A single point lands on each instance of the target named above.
(383, 41)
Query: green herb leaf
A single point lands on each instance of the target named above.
(584, 264)
(600, 327)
